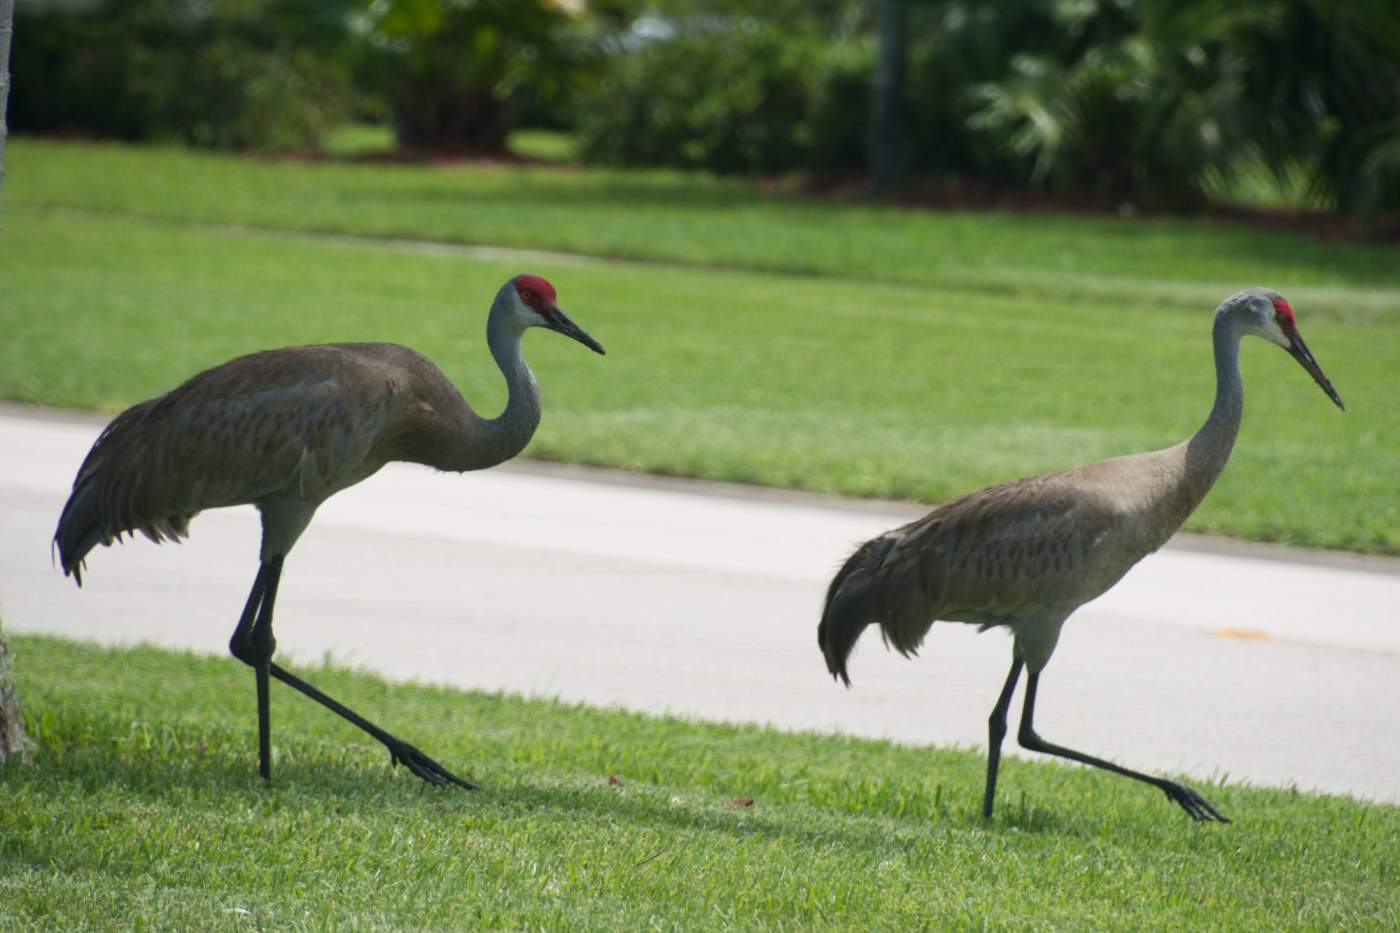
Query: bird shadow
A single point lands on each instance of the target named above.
(357, 783)
(653, 807)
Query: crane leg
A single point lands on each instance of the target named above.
(996, 731)
(1193, 803)
(399, 750)
(253, 644)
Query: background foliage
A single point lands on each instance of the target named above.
(761, 99)
(226, 74)
(1111, 102)
(461, 74)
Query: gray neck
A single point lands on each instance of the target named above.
(504, 436)
(1223, 423)
(1209, 448)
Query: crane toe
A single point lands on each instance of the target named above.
(1193, 803)
(421, 765)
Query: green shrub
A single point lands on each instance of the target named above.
(223, 74)
(774, 93)
(461, 74)
(841, 107)
(1152, 102)
(1143, 102)
(744, 100)
(1336, 103)
(1120, 102)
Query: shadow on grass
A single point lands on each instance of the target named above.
(194, 785)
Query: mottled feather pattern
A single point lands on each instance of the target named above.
(284, 430)
(302, 422)
(984, 558)
(1026, 554)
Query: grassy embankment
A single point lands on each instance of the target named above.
(142, 808)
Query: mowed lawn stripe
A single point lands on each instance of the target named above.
(697, 219)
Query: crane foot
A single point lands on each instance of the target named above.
(421, 765)
(1193, 803)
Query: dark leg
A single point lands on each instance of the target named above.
(263, 647)
(249, 646)
(399, 750)
(996, 731)
(257, 648)
(1190, 801)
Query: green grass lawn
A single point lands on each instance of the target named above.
(359, 140)
(917, 381)
(142, 808)
(699, 220)
(543, 145)
(827, 384)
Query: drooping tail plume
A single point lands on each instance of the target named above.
(852, 603)
(116, 492)
(79, 531)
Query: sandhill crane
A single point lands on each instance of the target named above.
(1027, 553)
(286, 429)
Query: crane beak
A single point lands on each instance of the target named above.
(1303, 355)
(557, 320)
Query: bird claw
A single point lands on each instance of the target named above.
(423, 766)
(1193, 803)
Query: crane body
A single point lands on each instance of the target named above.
(1025, 554)
(284, 430)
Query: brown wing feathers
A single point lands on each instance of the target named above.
(882, 582)
(113, 494)
(980, 559)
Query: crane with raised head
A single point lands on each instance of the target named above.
(284, 430)
(1025, 554)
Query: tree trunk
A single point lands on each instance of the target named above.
(12, 737)
(7, 26)
(888, 146)
(12, 740)
(449, 120)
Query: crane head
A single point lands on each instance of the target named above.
(536, 305)
(1267, 314)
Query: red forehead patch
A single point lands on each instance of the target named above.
(537, 285)
(1282, 312)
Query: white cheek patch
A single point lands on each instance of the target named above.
(526, 315)
(1274, 332)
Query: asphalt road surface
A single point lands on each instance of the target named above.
(1270, 666)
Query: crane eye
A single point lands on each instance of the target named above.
(525, 295)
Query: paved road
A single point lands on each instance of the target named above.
(702, 600)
